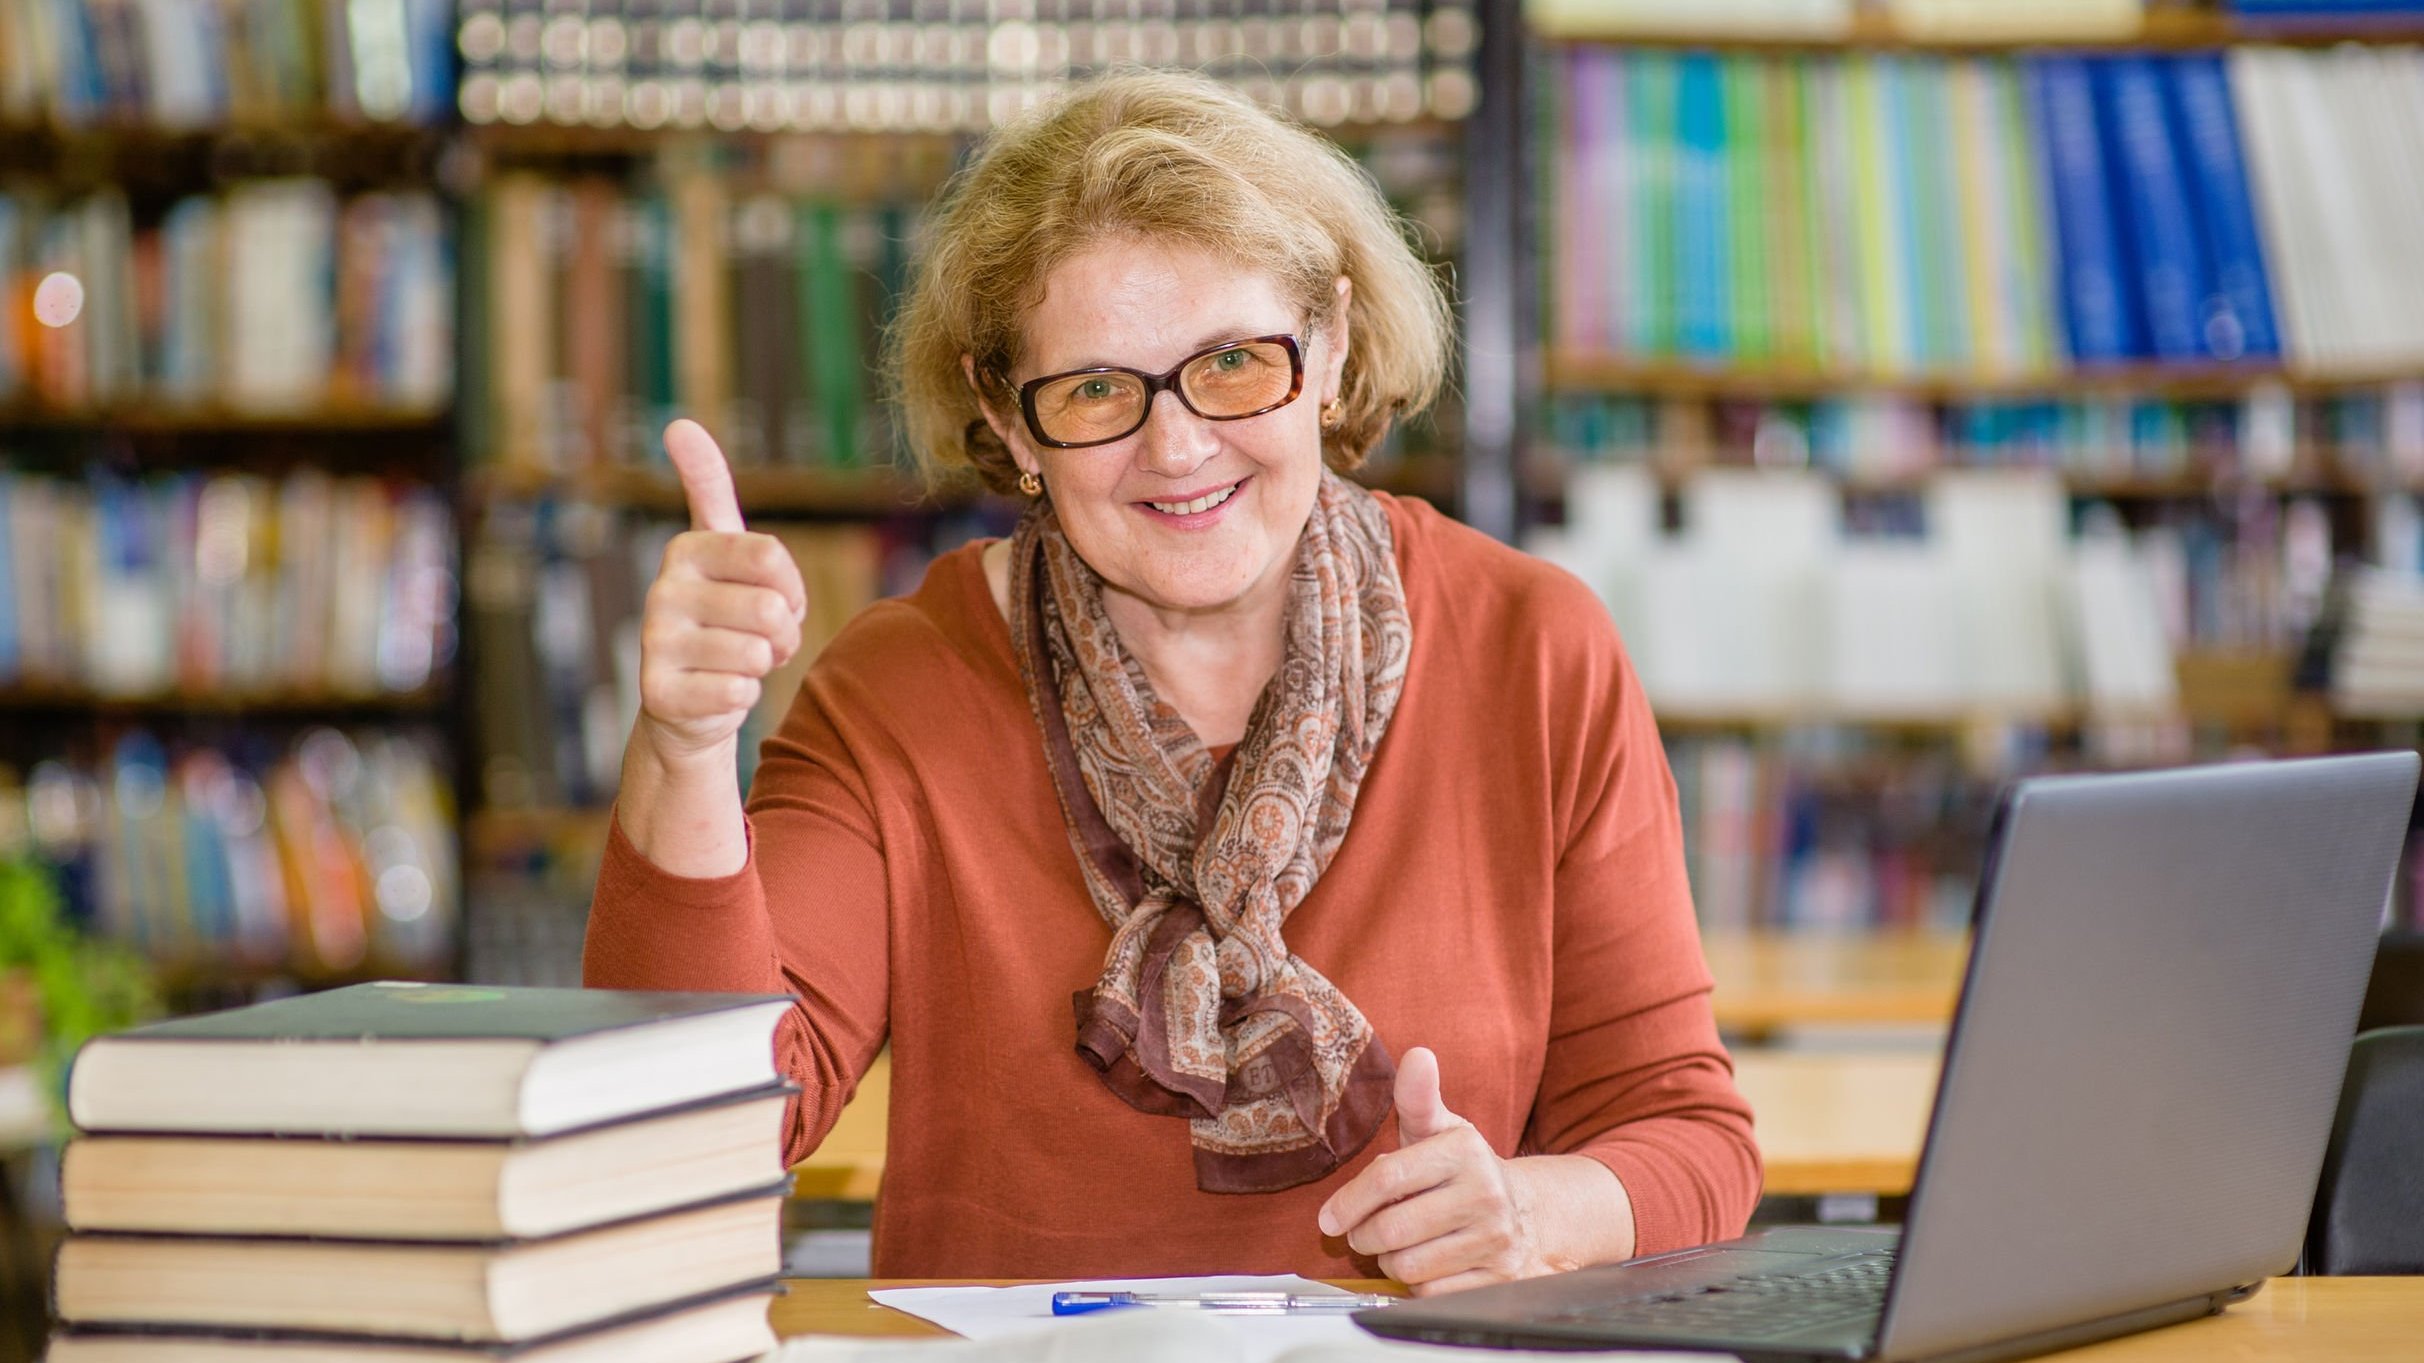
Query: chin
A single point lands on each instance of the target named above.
(1200, 582)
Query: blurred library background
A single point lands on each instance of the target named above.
(1935, 391)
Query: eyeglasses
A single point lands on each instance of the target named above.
(1230, 382)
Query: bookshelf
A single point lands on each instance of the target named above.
(1687, 260)
(790, 180)
(2179, 29)
(226, 489)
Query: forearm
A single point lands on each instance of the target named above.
(1573, 1210)
(683, 816)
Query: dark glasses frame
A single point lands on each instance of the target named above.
(1156, 384)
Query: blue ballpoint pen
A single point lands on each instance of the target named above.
(1247, 1303)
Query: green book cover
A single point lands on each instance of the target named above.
(1749, 209)
(1651, 96)
(829, 331)
(1789, 213)
(2031, 274)
(651, 321)
(1934, 187)
(1877, 209)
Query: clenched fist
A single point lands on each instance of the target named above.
(724, 611)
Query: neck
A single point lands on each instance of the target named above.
(1211, 664)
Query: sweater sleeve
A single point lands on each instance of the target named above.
(805, 915)
(1635, 1076)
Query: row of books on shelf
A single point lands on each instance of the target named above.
(2370, 439)
(322, 855)
(1782, 835)
(943, 65)
(600, 313)
(271, 296)
(224, 586)
(189, 64)
(598, 308)
(1889, 214)
(561, 1174)
(554, 594)
(1941, 20)
(1983, 596)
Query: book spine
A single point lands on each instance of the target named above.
(2238, 322)
(1702, 238)
(2171, 270)
(2098, 319)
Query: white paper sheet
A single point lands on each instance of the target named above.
(1016, 1325)
(992, 1312)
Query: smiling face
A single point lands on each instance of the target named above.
(1184, 514)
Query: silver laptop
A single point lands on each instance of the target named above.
(2137, 1088)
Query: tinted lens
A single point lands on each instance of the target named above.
(1239, 380)
(1089, 407)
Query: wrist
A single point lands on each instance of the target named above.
(666, 756)
(1572, 1211)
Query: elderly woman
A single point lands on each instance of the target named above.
(1346, 829)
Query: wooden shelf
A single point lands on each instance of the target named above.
(861, 492)
(2243, 692)
(155, 419)
(1547, 481)
(300, 703)
(1870, 30)
(291, 127)
(1575, 372)
(827, 491)
(491, 831)
(194, 974)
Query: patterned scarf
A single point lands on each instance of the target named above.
(1201, 1011)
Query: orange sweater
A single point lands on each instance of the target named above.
(1511, 894)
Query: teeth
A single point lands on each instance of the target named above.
(1204, 503)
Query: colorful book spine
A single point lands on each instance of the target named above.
(2237, 318)
(1703, 236)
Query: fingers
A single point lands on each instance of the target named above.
(1420, 1219)
(679, 696)
(1421, 1112)
(688, 616)
(745, 559)
(1393, 1178)
(706, 477)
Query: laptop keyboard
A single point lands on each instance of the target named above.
(1758, 1308)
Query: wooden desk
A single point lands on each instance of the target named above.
(2312, 1320)
(1827, 1124)
(1838, 1123)
(1767, 981)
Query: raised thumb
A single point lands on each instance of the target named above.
(1421, 1112)
(706, 478)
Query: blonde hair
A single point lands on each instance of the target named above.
(1174, 156)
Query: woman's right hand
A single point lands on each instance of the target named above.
(724, 611)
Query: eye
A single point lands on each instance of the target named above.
(1230, 361)
(1094, 390)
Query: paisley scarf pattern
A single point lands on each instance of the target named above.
(1201, 1011)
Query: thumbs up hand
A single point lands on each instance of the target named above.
(1443, 1212)
(724, 611)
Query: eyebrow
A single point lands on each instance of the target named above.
(1204, 342)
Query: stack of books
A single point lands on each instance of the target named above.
(427, 1172)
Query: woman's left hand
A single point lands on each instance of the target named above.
(1443, 1212)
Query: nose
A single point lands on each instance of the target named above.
(1174, 442)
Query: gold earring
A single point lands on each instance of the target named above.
(1333, 414)
(1030, 484)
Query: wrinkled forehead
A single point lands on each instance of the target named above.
(1147, 303)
